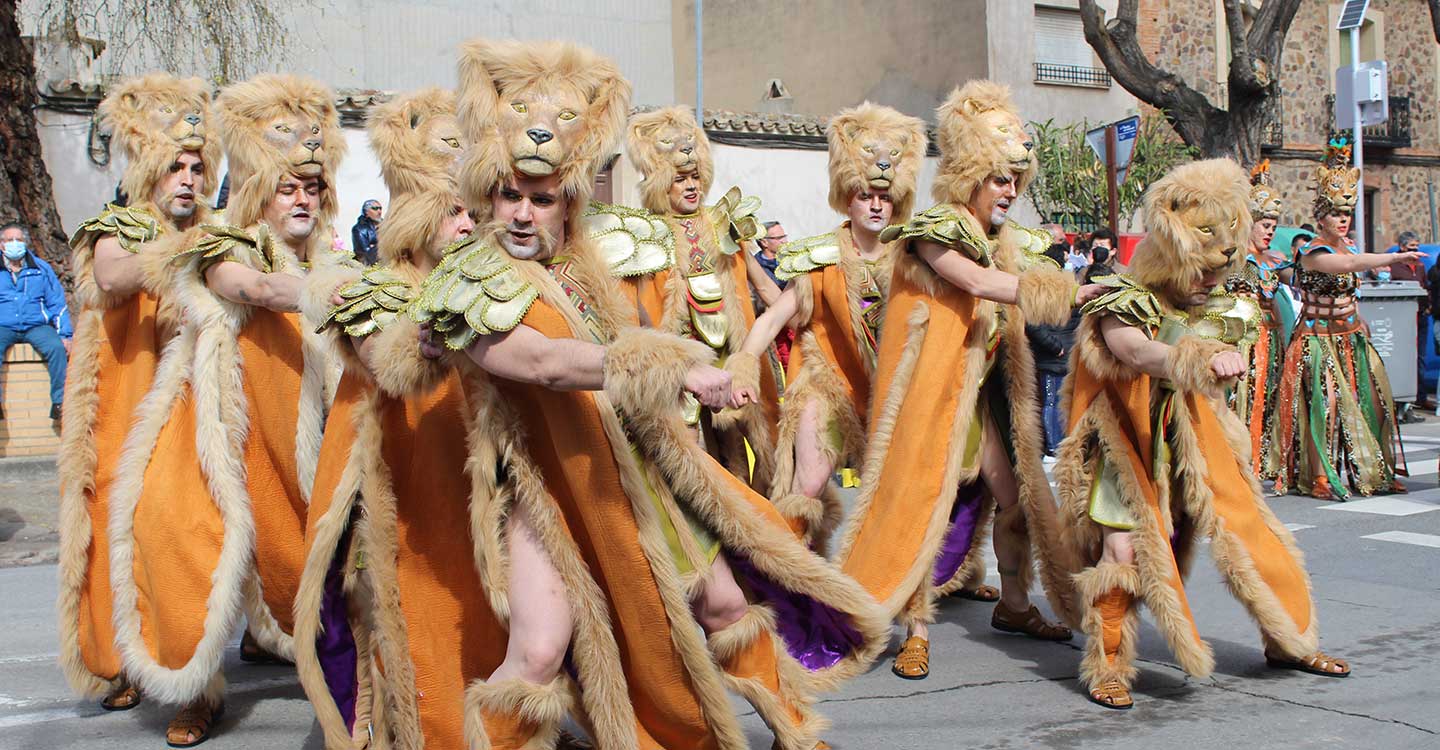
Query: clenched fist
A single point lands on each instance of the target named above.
(711, 385)
(1227, 365)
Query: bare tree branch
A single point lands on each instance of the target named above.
(1242, 71)
(1435, 18)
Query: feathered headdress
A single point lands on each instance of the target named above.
(1264, 203)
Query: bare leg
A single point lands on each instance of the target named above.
(720, 603)
(1010, 552)
(813, 467)
(1110, 590)
(540, 622)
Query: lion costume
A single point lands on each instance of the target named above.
(1163, 458)
(153, 119)
(948, 362)
(1335, 426)
(229, 434)
(631, 512)
(705, 295)
(841, 299)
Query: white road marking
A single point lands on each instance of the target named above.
(28, 659)
(1383, 506)
(1298, 526)
(1406, 537)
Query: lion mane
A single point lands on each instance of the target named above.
(876, 147)
(1197, 217)
(272, 126)
(154, 119)
(661, 144)
(418, 142)
(980, 134)
(538, 108)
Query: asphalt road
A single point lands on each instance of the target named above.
(1375, 566)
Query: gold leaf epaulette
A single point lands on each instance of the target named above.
(1132, 303)
(131, 226)
(738, 214)
(1229, 318)
(223, 242)
(1033, 243)
(475, 291)
(632, 241)
(803, 256)
(942, 225)
(370, 304)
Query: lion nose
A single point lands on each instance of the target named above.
(883, 165)
(687, 149)
(1229, 251)
(312, 144)
(1029, 145)
(539, 135)
(192, 119)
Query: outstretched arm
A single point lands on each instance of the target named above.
(768, 290)
(1131, 346)
(770, 322)
(970, 277)
(1355, 262)
(240, 283)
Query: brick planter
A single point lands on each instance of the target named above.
(27, 429)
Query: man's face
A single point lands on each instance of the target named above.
(774, 237)
(992, 200)
(11, 234)
(374, 212)
(458, 225)
(291, 213)
(1099, 242)
(1411, 246)
(1261, 232)
(533, 212)
(175, 193)
(685, 193)
(871, 209)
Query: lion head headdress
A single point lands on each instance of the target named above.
(418, 142)
(1336, 180)
(273, 126)
(154, 119)
(538, 108)
(665, 143)
(877, 148)
(1264, 203)
(980, 135)
(1197, 217)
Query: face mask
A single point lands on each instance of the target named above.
(15, 249)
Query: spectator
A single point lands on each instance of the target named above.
(364, 236)
(1095, 271)
(1299, 241)
(1077, 258)
(32, 309)
(1051, 346)
(222, 198)
(774, 238)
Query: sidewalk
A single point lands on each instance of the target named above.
(29, 511)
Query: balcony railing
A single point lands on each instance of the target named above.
(1072, 75)
(1393, 133)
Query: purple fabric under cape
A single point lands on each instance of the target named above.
(956, 544)
(335, 643)
(817, 635)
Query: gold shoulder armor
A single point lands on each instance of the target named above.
(632, 242)
(1229, 318)
(738, 215)
(223, 242)
(1133, 304)
(131, 226)
(1032, 244)
(370, 304)
(942, 225)
(803, 256)
(475, 291)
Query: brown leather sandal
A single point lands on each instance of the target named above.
(913, 661)
(122, 698)
(981, 593)
(1029, 622)
(1319, 663)
(251, 652)
(1111, 694)
(193, 724)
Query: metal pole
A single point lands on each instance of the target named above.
(1112, 184)
(1434, 215)
(1359, 145)
(700, 62)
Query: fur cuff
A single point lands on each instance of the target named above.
(516, 709)
(398, 367)
(320, 286)
(1046, 296)
(645, 369)
(744, 369)
(1189, 365)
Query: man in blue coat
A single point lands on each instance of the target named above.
(32, 309)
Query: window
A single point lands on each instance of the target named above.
(1062, 56)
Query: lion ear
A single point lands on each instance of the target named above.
(478, 101)
(972, 107)
(609, 108)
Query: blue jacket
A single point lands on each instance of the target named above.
(33, 297)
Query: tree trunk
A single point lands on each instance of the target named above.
(25, 191)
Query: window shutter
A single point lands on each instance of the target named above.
(1060, 38)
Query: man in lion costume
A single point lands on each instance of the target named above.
(835, 300)
(1153, 357)
(163, 124)
(954, 425)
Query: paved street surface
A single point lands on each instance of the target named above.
(1375, 566)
